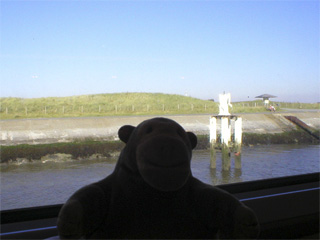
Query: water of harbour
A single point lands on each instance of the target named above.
(52, 182)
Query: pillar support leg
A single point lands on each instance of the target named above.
(213, 141)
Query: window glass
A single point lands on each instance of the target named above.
(73, 72)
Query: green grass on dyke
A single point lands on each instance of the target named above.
(122, 104)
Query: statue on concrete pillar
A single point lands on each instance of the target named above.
(224, 103)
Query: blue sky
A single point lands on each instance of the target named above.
(199, 48)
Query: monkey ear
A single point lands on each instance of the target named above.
(124, 133)
(193, 139)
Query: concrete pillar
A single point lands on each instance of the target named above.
(225, 131)
(225, 139)
(213, 156)
(213, 141)
(237, 158)
(237, 142)
(229, 129)
(226, 157)
(226, 175)
(213, 129)
(238, 131)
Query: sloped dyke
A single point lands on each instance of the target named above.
(57, 130)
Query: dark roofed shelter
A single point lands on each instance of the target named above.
(265, 98)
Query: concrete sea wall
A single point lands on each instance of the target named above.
(39, 131)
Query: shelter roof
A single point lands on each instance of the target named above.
(266, 96)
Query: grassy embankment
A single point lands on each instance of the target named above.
(103, 105)
(118, 104)
(124, 104)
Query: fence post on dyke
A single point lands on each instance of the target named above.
(99, 108)
(213, 141)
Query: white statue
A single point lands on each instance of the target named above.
(224, 103)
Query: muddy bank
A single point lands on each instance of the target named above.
(74, 150)
(251, 139)
(102, 149)
(45, 131)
